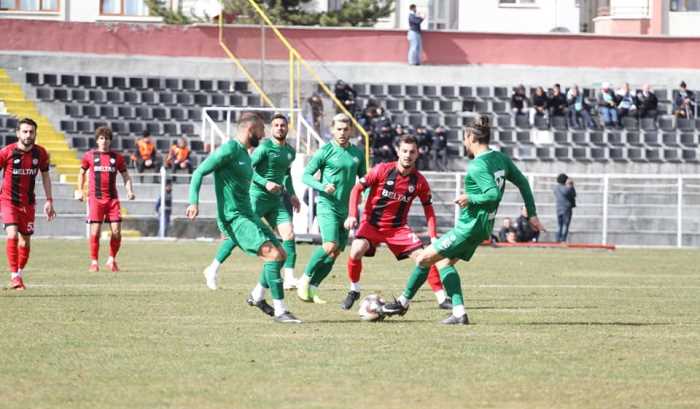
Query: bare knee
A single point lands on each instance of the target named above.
(358, 249)
(270, 252)
(331, 248)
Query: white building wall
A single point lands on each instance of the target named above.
(540, 17)
(685, 24)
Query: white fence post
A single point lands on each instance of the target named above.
(606, 190)
(679, 237)
(458, 192)
(161, 224)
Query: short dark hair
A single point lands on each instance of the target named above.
(249, 118)
(683, 84)
(562, 178)
(146, 134)
(409, 139)
(28, 121)
(103, 130)
(279, 115)
(412, 7)
(481, 129)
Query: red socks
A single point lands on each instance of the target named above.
(434, 279)
(94, 246)
(23, 256)
(114, 244)
(12, 254)
(355, 269)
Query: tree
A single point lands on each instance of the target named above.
(288, 12)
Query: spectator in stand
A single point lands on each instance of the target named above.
(425, 144)
(382, 148)
(565, 197)
(607, 106)
(146, 156)
(538, 106)
(684, 105)
(507, 234)
(381, 119)
(179, 157)
(518, 101)
(346, 95)
(647, 103)
(523, 230)
(168, 208)
(315, 111)
(415, 42)
(627, 103)
(557, 102)
(440, 148)
(579, 112)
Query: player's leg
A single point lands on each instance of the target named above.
(320, 258)
(333, 250)
(453, 286)
(435, 283)
(283, 220)
(25, 229)
(115, 242)
(11, 250)
(94, 244)
(224, 250)
(358, 249)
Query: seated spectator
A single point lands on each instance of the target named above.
(684, 105)
(382, 146)
(607, 106)
(518, 101)
(507, 234)
(146, 156)
(179, 157)
(647, 103)
(523, 230)
(538, 106)
(440, 148)
(627, 103)
(557, 102)
(380, 119)
(579, 111)
(425, 144)
(346, 95)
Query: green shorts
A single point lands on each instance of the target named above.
(331, 226)
(272, 209)
(461, 242)
(249, 233)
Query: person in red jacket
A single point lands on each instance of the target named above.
(21, 162)
(103, 165)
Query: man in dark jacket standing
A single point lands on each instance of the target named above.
(415, 43)
(565, 196)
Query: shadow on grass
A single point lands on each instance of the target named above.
(534, 307)
(16, 294)
(584, 323)
(359, 321)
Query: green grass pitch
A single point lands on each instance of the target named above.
(552, 329)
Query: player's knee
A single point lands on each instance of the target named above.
(423, 260)
(117, 235)
(358, 249)
(281, 255)
(287, 236)
(330, 247)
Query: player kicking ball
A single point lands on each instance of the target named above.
(233, 174)
(272, 184)
(103, 164)
(484, 185)
(393, 187)
(20, 163)
(340, 164)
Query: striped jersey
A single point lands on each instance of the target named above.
(103, 167)
(19, 172)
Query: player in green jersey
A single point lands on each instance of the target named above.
(340, 164)
(233, 174)
(272, 195)
(484, 185)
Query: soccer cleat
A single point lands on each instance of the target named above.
(289, 283)
(394, 308)
(350, 300)
(303, 290)
(445, 305)
(287, 318)
(17, 284)
(112, 265)
(94, 267)
(262, 305)
(210, 277)
(313, 293)
(452, 320)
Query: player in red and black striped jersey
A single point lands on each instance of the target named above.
(20, 163)
(103, 165)
(393, 187)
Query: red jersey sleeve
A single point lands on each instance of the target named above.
(426, 198)
(44, 161)
(121, 163)
(86, 161)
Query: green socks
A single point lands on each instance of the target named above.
(224, 250)
(452, 284)
(271, 275)
(290, 248)
(316, 258)
(417, 279)
(324, 268)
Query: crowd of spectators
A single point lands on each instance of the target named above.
(146, 157)
(607, 109)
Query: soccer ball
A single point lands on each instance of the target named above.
(371, 308)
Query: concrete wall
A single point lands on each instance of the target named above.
(684, 24)
(541, 17)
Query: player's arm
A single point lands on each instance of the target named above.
(314, 165)
(426, 199)
(356, 194)
(486, 183)
(217, 159)
(516, 177)
(82, 176)
(258, 160)
(289, 187)
(128, 184)
(48, 206)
